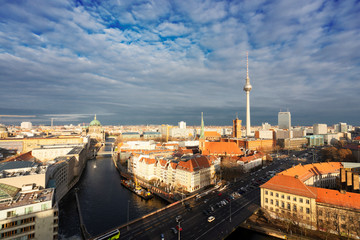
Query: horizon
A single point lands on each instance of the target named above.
(160, 62)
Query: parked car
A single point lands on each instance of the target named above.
(174, 230)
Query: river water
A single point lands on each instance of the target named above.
(104, 203)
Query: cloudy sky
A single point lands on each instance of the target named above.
(154, 62)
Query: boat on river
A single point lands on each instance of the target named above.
(137, 189)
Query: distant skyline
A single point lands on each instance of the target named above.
(160, 62)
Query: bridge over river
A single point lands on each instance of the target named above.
(194, 222)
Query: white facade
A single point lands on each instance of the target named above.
(182, 125)
(319, 129)
(265, 134)
(284, 120)
(26, 125)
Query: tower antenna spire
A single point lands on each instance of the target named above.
(247, 67)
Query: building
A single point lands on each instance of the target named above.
(26, 125)
(264, 134)
(96, 131)
(17, 173)
(247, 89)
(299, 195)
(182, 125)
(236, 133)
(222, 149)
(284, 120)
(28, 213)
(292, 143)
(190, 173)
(130, 135)
(151, 135)
(3, 131)
(319, 129)
(315, 140)
(61, 175)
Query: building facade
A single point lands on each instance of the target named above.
(284, 120)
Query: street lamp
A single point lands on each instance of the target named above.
(230, 210)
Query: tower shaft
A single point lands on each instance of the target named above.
(247, 89)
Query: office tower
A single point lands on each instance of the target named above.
(284, 120)
(319, 128)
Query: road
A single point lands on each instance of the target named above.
(194, 222)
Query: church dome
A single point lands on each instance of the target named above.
(95, 122)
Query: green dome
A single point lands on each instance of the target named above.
(95, 122)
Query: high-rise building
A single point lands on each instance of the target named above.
(26, 125)
(182, 125)
(236, 128)
(284, 120)
(319, 128)
(343, 127)
(247, 89)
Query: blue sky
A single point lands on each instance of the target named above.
(154, 62)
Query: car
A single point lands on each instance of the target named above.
(174, 230)
(211, 218)
(162, 236)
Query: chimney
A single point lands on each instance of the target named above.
(349, 178)
(355, 182)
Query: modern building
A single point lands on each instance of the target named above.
(315, 140)
(284, 120)
(28, 213)
(151, 135)
(182, 125)
(130, 135)
(247, 89)
(319, 128)
(26, 125)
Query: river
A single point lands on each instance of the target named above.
(104, 203)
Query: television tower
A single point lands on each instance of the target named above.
(247, 89)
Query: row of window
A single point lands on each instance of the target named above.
(17, 231)
(334, 216)
(288, 197)
(288, 205)
(18, 222)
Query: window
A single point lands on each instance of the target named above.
(282, 204)
(288, 197)
(288, 206)
(294, 199)
(276, 194)
(307, 201)
(294, 208)
(271, 202)
(28, 210)
(300, 200)
(266, 200)
(282, 196)
(11, 213)
(307, 210)
(320, 213)
(271, 193)
(301, 209)
(277, 203)
(266, 192)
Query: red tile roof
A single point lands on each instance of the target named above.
(221, 148)
(305, 172)
(290, 185)
(334, 197)
(195, 164)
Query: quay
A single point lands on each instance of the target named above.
(84, 231)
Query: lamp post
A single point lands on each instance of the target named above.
(128, 215)
(230, 210)
(179, 230)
